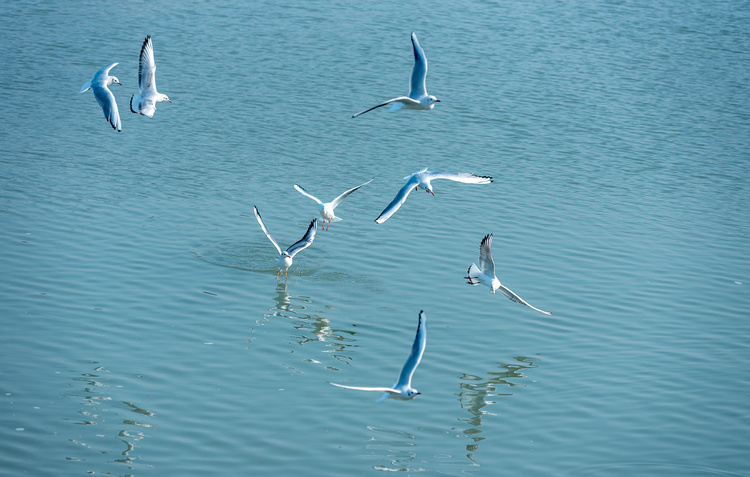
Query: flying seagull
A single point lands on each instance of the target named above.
(326, 209)
(402, 390)
(105, 98)
(422, 180)
(285, 258)
(147, 97)
(418, 97)
(485, 274)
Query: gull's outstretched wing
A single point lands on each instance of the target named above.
(485, 256)
(418, 84)
(399, 200)
(460, 177)
(103, 73)
(417, 350)
(343, 196)
(305, 193)
(400, 99)
(366, 388)
(305, 241)
(265, 230)
(515, 298)
(147, 68)
(106, 100)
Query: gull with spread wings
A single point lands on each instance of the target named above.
(326, 208)
(422, 180)
(145, 102)
(99, 86)
(485, 274)
(402, 390)
(285, 258)
(418, 97)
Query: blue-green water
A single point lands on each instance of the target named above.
(143, 332)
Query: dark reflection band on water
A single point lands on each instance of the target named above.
(110, 418)
(477, 393)
(312, 325)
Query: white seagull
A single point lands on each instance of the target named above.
(285, 258)
(418, 97)
(326, 209)
(402, 390)
(105, 98)
(422, 180)
(485, 274)
(147, 94)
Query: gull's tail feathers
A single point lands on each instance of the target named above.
(472, 275)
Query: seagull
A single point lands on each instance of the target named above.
(421, 180)
(285, 258)
(418, 97)
(402, 390)
(485, 274)
(326, 209)
(147, 94)
(104, 96)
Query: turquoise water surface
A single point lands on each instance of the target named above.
(143, 331)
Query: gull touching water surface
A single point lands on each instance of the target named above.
(99, 86)
(418, 97)
(326, 209)
(422, 180)
(485, 274)
(285, 258)
(147, 97)
(402, 390)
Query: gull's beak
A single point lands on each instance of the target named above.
(169, 100)
(493, 292)
(119, 83)
(437, 100)
(433, 194)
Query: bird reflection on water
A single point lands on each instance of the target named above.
(477, 391)
(313, 326)
(105, 418)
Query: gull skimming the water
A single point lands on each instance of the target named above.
(147, 94)
(285, 258)
(418, 97)
(402, 390)
(326, 209)
(422, 180)
(105, 98)
(485, 274)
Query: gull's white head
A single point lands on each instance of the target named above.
(427, 187)
(164, 97)
(430, 101)
(411, 393)
(113, 80)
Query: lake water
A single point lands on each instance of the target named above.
(143, 331)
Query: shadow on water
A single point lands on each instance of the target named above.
(477, 393)
(109, 419)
